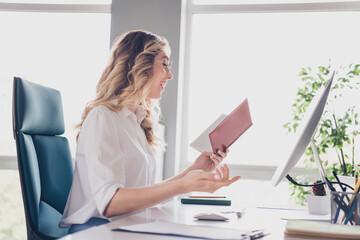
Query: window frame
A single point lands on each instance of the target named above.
(10, 162)
(57, 8)
(259, 172)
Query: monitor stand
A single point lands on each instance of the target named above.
(319, 165)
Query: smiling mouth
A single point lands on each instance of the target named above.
(163, 84)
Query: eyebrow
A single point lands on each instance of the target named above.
(166, 57)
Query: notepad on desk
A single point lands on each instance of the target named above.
(206, 201)
(321, 230)
(226, 129)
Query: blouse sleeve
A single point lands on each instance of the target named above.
(104, 156)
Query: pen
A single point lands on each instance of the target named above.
(330, 185)
(351, 213)
(356, 191)
(339, 202)
(356, 178)
(207, 196)
(340, 184)
(338, 208)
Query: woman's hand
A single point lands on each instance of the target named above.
(201, 181)
(208, 161)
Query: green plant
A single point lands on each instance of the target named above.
(337, 129)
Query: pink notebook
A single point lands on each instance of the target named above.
(225, 130)
(231, 128)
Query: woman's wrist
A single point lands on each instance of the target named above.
(191, 167)
(181, 186)
(187, 170)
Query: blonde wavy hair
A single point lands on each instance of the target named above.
(127, 78)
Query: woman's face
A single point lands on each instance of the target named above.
(161, 74)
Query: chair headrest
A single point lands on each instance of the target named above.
(37, 109)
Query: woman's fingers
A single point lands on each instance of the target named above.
(232, 180)
(225, 171)
(216, 159)
(211, 181)
(223, 183)
(221, 153)
(219, 157)
(219, 174)
(210, 176)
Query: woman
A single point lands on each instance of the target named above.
(115, 157)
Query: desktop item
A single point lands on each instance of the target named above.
(211, 196)
(222, 133)
(327, 187)
(190, 231)
(306, 131)
(206, 201)
(318, 204)
(343, 209)
(202, 143)
(356, 190)
(211, 217)
(350, 207)
(228, 210)
(320, 230)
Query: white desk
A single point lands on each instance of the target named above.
(174, 211)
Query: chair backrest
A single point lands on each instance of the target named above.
(44, 158)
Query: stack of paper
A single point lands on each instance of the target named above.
(191, 231)
(321, 230)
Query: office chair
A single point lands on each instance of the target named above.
(44, 158)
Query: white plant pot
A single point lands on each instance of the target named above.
(318, 204)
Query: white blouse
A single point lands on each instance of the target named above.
(112, 152)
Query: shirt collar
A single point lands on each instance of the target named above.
(139, 114)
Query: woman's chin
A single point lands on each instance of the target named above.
(157, 96)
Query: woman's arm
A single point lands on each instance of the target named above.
(127, 200)
(179, 175)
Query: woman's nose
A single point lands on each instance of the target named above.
(169, 75)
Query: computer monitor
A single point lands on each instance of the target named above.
(306, 131)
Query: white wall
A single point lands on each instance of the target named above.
(161, 17)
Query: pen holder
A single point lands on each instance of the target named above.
(345, 208)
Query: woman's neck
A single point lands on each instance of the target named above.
(133, 109)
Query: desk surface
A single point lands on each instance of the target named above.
(174, 211)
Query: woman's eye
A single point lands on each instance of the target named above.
(164, 64)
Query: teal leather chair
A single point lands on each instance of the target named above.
(44, 158)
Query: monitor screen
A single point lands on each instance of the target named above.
(305, 132)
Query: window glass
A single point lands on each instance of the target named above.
(225, 2)
(12, 216)
(58, 1)
(259, 56)
(65, 51)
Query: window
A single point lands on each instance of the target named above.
(63, 46)
(229, 2)
(65, 51)
(12, 219)
(257, 52)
